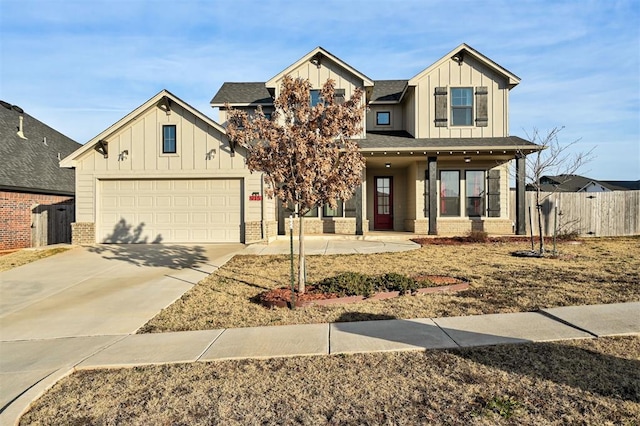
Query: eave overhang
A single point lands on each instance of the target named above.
(163, 100)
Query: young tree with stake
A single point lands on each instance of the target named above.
(306, 152)
(553, 159)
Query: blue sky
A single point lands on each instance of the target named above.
(80, 66)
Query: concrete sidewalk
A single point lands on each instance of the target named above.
(576, 322)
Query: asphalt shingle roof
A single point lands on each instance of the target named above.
(388, 90)
(402, 139)
(243, 93)
(31, 164)
(574, 183)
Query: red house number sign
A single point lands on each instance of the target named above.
(255, 197)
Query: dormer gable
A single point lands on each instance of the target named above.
(458, 55)
(319, 59)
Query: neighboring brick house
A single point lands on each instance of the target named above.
(31, 180)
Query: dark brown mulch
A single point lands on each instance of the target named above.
(281, 297)
(451, 241)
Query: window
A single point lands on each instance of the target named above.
(169, 139)
(315, 97)
(312, 213)
(383, 118)
(450, 193)
(327, 211)
(338, 96)
(461, 106)
(475, 192)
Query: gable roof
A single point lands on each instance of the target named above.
(628, 185)
(576, 183)
(464, 49)
(566, 183)
(162, 99)
(31, 165)
(318, 53)
(388, 91)
(242, 94)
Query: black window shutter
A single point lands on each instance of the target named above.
(441, 106)
(493, 193)
(482, 107)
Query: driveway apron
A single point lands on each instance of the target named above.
(56, 312)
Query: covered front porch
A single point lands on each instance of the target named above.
(423, 193)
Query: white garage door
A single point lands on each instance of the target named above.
(169, 211)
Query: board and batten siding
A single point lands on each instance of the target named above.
(396, 116)
(470, 73)
(318, 76)
(202, 153)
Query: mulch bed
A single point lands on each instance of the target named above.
(453, 241)
(281, 297)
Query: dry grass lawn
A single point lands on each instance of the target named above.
(593, 382)
(603, 270)
(24, 256)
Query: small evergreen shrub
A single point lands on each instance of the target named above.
(356, 284)
(397, 282)
(347, 284)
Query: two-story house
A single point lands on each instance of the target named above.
(437, 149)
(437, 145)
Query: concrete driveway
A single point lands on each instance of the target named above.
(57, 311)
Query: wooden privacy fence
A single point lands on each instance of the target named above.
(599, 214)
(51, 224)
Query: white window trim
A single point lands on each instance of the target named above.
(451, 107)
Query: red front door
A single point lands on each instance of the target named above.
(383, 203)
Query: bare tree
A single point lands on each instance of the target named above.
(553, 159)
(305, 152)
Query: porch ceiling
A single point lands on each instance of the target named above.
(399, 159)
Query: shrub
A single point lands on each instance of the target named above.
(347, 284)
(356, 284)
(478, 237)
(397, 282)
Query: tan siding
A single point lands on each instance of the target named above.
(138, 148)
(142, 138)
(397, 117)
(189, 143)
(151, 140)
(318, 76)
(409, 106)
(470, 74)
